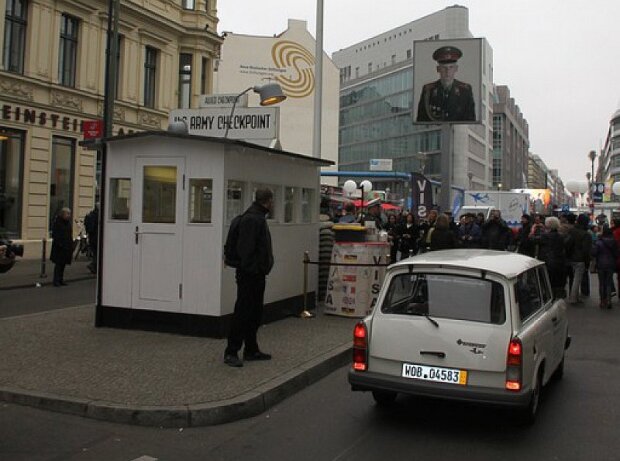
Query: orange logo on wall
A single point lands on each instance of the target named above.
(299, 62)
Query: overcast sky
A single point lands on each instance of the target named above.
(560, 58)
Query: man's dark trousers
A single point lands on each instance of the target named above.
(59, 273)
(248, 313)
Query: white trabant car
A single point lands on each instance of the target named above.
(469, 325)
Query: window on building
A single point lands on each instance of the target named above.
(357, 72)
(185, 80)
(200, 200)
(409, 54)
(150, 75)
(61, 175)
(204, 76)
(369, 67)
(393, 59)
(189, 4)
(11, 182)
(15, 35)
(235, 196)
(120, 199)
(67, 61)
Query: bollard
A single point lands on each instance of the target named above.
(42, 275)
(305, 313)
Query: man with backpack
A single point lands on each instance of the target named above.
(248, 249)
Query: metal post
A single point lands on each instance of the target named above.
(306, 314)
(446, 166)
(318, 78)
(42, 275)
(108, 117)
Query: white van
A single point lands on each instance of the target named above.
(470, 325)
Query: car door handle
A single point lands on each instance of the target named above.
(441, 355)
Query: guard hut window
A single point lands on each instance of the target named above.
(67, 61)
(185, 80)
(159, 194)
(235, 195)
(200, 200)
(150, 75)
(120, 199)
(290, 204)
(11, 182)
(15, 22)
(307, 205)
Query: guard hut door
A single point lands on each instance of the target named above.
(158, 232)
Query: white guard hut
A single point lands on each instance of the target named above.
(167, 205)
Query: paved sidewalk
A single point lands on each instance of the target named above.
(26, 273)
(59, 361)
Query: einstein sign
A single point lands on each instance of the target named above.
(245, 123)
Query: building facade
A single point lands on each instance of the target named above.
(376, 103)
(288, 59)
(608, 170)
(510, 142)
(52, 79)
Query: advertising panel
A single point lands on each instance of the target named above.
(447, 81)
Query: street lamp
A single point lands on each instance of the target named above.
(351, 186)
(422, 157)
(499, 186)
(269, 94)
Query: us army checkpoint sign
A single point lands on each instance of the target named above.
(246, 123)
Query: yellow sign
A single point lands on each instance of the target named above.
(299, 81)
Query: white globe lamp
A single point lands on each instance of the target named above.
(366, 185)
(616, 188)
(349, 187)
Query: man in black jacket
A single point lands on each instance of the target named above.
(496, 234)
(256, 260)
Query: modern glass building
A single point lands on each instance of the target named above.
(375, 123)
(376, 102)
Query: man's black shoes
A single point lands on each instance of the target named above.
(258, 355)
(232, 360)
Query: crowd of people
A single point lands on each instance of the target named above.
(571, 246)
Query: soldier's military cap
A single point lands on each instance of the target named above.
(447, 54)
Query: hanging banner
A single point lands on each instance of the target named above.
(422, 192)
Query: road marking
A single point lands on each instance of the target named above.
(145, 458)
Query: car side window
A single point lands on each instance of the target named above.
(547, 293)
(527, 291)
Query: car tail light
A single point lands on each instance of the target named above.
(360, 347)
(514, 365)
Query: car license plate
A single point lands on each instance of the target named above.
(438, 374)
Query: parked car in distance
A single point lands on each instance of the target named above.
(469, 325)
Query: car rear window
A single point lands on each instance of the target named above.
(446, 296)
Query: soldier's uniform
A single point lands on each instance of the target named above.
(453, 104)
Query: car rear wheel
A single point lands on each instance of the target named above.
(559, 371)
(384, 398)
(528, 414)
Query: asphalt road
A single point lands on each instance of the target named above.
(578, 420)
(31, 300)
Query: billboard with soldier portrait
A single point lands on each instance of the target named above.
(447, 81)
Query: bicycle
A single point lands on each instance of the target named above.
(80, 244)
